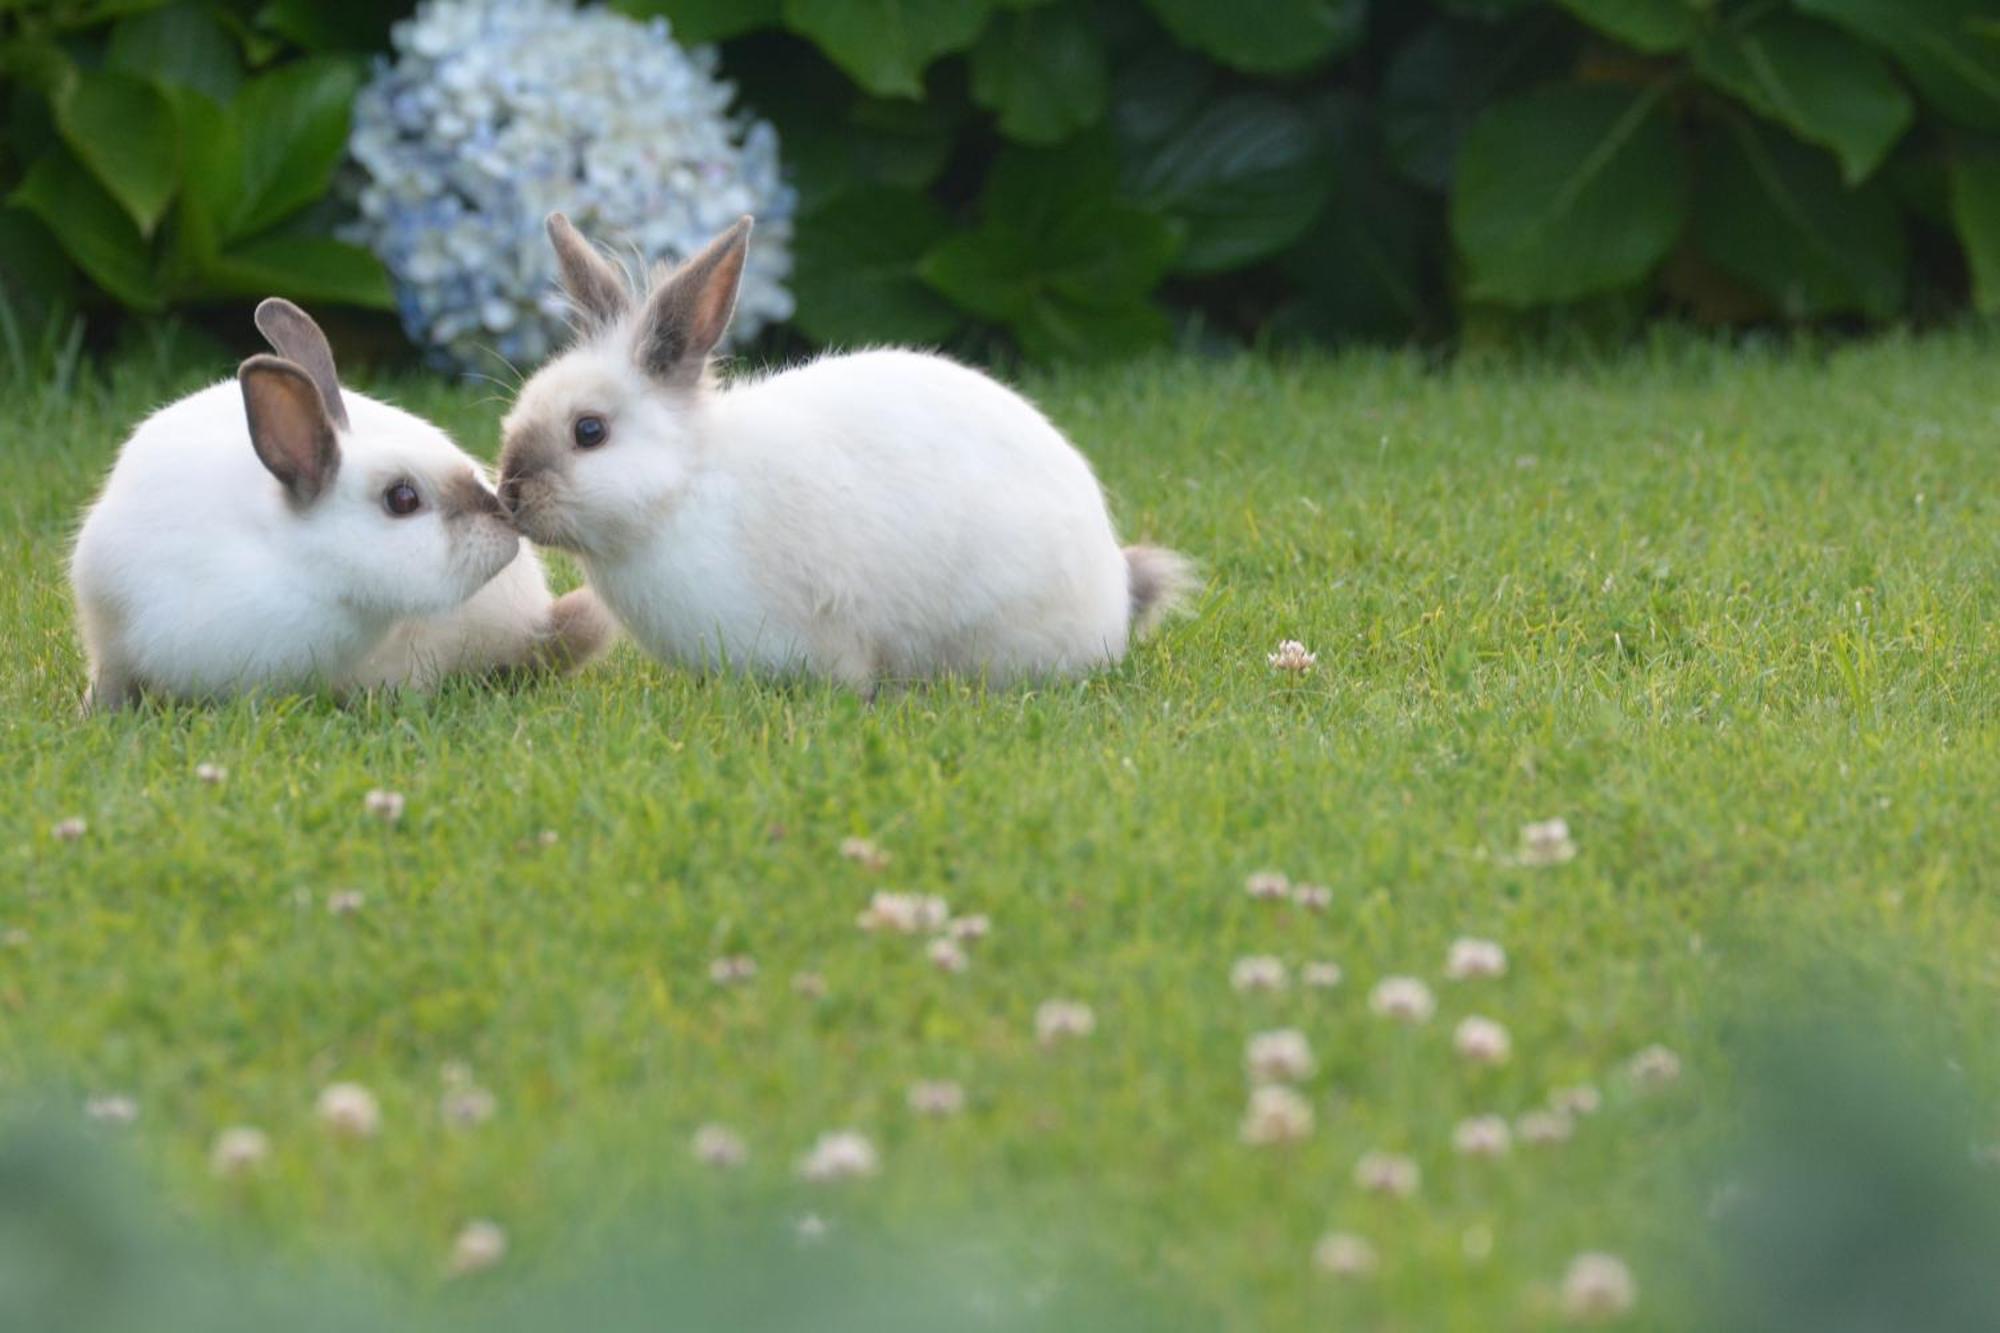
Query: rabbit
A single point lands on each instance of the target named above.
(277, 532)
(865, 517)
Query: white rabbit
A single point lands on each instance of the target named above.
(874, 516)
(272, 531)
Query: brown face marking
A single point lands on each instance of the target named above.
(464, 496)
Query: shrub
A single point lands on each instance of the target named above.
(1074, 177)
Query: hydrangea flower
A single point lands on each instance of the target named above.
(495, 113)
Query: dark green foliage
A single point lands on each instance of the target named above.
(169, 152)
(1344, 168)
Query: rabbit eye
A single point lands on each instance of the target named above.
(589, 432)
(402, 499)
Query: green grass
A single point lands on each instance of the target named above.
(1730, 612)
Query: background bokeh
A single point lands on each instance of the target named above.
(1074, 179)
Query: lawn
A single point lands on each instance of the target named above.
(1729, 612)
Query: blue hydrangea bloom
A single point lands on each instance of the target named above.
(495, 113)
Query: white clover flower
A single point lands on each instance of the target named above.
(719, 1145)
(238, 1151)
(1471, 960)
(69, 830)
(386, 806)
(864, 853)
(1404, 999)
(345, 902)
(1388, 1173)
(212, 774)
(349, 1111)
(1482, 1041)
(904, 913)
(936, 1097)
(1320, 975)
(1655, 1068)
(1583, 1099)
(466, 1105)
(1258, 972)
(112, 1109)
(1598, 1288)
(1267, 886)
(1283, 1056)
(1056, 1020)
(1546, 843)
(1312, 897)
(1540, 1129)
(1482, 1136)
(1292, 656)
(969, 929)
(478, 1247)
(1276, 1114)
(843, 1155)
(947, 956)
(731, 969)
(495, 113)
(1344, 1255)
(809, 985)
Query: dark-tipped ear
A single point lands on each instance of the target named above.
(596, 287)
(687, 314)
(289, 426)
(294, 336)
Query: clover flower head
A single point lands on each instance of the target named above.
(1312, 897)
(1583, 1099)
(349, 1111)
(1482, 1136)
(1344, 1255)
(213, 775)
(494, 113)
(1268, 886)
(904, 913)
(719, 1145)
(1292, 656)
(1470, 960)
(238, 1151)
(1481, 1041)
(842, 1155)
(1388, 1173)
(1057, 1020)
(1546, 843)
(1276, 1114)
(1403, 999)
(1542, 1128)
(1655, 1068)
(1258, 972)
(1320, 975)
(1283, 1056)
(864, 853)
(69, 830)
(936, 1097)
(731, 969)
(1598, 1288)
(478, 1247)
(113, 1108)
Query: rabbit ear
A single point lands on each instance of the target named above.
(594, 284)
(687, 314)
(289, 426)
(294, 336)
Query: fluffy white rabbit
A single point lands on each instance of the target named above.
(883, 515)
(273, 531)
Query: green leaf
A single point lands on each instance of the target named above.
(123, 130)
(211, 181)
(1157, 92)
(1817, 81)
(1059, 260)
(1945, 46)
(1265, 36)
(92, 228)
(180, 46)
(319, 27)
(1243, 179)
(40, 280)
(886, 44)
(1042, 71)
(1975, 208)
(292, 128)
(1364, 269)
(855, 270)
(1775, 214)
(1653, 26)
(694, 21)
(1441, 80)
(303, 268)
(1567, 192)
